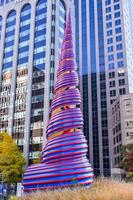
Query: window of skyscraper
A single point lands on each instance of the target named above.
(117, 22)
(108, 17)
(121, 74)
(118, 38)
(116, 7)
(113, 93)
(122, 91)
(121, 82)
(110, 32)
(111, 74)
(119, 46)
(120, 64)
(112, 84)
(110, 57)
(108, 9)
(118, 30)
(109, 24)
(24, 35)
(107, 2)
(117, 14)
(9, 40)
(40, 35)
(111, 66)
(109, 40)
(119, 55)
(110, 48)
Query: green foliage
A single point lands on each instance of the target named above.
(12, 161)
(127, 159)
(129, 177)
(13, 198)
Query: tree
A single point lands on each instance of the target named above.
(12, 161)
(127, 159)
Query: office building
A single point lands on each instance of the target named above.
(122, 126)
(104, 50)
(31, 34)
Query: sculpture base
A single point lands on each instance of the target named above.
(58, 175)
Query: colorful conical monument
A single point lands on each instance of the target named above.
(63, 161)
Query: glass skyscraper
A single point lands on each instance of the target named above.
(31, 34)
(104, 51)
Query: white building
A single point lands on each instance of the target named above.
(31, 33)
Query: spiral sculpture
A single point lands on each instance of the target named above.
(63, 160)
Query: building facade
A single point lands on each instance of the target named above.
(122, 126)
(104, 51)
(31, 34)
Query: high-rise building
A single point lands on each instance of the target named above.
(31, 34)
(104, 50)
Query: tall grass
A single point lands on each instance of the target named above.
(101, 190)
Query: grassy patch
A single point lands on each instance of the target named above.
(101, 190)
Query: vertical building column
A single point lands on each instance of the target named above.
(89, 85)
(80, 50)
(29, 85)
(56, 59)
(47, 71)
(85, 71)
(14, 74)
(2, 45)
(98, 83)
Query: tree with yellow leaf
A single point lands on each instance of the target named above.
(12, 161)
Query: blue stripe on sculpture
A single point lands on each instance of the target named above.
(63, 160)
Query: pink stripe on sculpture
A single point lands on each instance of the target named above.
(63, 160)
